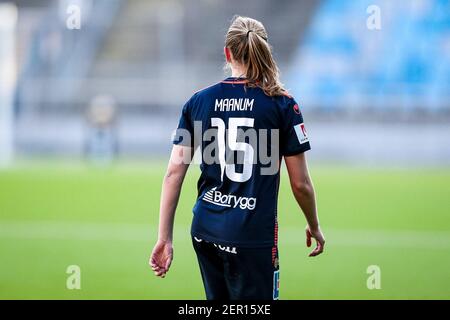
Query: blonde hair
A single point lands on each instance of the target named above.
(247, 40)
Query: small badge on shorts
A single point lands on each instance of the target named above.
(276, 285)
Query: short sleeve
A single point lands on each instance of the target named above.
(293, 136)
(184, 134)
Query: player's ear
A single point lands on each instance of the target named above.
(227, 53)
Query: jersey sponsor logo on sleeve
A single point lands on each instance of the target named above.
(228, 200)
(296, 109)
(300, 130)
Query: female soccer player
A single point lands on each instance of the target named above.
(243, 127)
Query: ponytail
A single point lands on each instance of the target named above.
(247, 40)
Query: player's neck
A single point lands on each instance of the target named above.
(238, 71)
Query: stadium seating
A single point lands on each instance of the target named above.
(404, 67)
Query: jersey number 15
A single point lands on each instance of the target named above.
(234, 145)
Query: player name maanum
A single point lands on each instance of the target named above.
(240, 104)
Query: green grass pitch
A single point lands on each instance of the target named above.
(105, 221)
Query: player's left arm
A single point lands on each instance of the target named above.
(304, 193)
(162, 254)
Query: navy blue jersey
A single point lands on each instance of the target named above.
(236, 129)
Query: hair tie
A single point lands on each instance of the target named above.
(248, 32)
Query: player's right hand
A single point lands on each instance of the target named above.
(161, 258)
(320, 240)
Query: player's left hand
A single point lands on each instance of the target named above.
(161, 258)
(315, 233)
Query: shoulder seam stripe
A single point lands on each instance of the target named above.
(212, 85)
(235, 82)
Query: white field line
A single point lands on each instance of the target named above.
(50, 230)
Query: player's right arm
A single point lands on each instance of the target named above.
(303, 190)
(162, 255)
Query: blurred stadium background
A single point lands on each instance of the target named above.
(86, 118)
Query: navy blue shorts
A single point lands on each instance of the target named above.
(231, 273)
